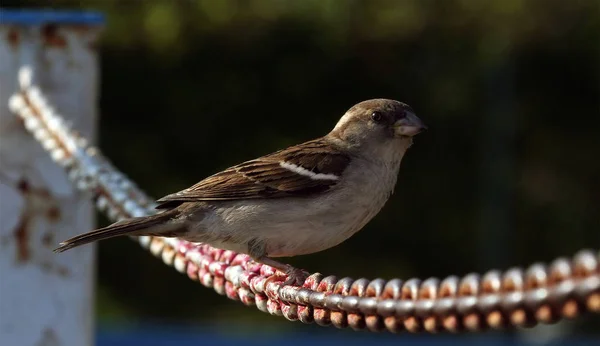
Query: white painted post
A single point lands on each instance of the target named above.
(45, 299)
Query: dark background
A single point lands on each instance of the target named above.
(508, 173)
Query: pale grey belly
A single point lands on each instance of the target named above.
(286, 227)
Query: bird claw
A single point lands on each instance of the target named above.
(296, 277)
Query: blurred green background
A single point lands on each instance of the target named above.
(506, 175)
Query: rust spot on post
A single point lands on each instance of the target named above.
(23, 186)
(13, 38)
(51, 36)
(21, 235)
(48, 239)
(21, 232)
(53, 214)
(38, 202)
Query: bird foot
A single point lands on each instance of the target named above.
(296, 276)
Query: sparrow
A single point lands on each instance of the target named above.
(296, 201)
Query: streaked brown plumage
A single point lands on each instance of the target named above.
(266, 178)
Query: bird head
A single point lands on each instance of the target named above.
(378, 125)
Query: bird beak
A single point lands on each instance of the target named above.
(409, 126)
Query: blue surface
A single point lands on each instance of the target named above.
(42, 16)
(168, 336)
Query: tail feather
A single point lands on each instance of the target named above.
(132, 227)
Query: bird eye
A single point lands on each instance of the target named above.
(376, 116)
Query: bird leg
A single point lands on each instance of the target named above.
(257, 250)
(296, 276)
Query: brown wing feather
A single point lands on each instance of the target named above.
(266, 178)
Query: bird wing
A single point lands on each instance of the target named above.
(304, 169)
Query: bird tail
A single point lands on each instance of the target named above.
(135, 226)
